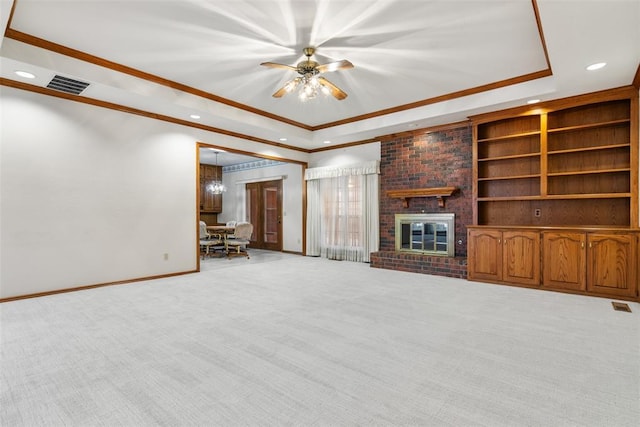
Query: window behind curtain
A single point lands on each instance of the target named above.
(342, 211)
(342, 220)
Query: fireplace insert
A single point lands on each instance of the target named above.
(431, 234)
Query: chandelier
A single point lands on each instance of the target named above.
(216, 187)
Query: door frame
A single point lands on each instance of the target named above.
(303, 165)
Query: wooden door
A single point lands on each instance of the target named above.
(564, 260)
(521, 257)
(485, 255)
(612, 264)
(264, 210)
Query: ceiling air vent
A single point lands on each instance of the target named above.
(65, 84)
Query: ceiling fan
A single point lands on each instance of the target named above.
(309, 80)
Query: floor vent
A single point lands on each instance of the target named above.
(619, 306)
(67, 85)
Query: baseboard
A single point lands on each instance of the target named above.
(98, 285)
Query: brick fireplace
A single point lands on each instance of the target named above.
(439, 158)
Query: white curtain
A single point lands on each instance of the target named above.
(342, 212)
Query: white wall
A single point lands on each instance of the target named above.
(345, 156)
(91, 195)
(233, 200)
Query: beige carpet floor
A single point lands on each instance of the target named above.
(286, 340)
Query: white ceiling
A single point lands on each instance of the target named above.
(404, 52)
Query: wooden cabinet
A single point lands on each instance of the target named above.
(484, 255)
(504, 256)
(612, 261)
(564, 260)
(521, 257)
(600, 262)
(209, 202)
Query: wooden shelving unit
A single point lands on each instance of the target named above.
(571, 163)
(553, 156)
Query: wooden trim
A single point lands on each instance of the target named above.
(623, 92)
(197, 188)
(304, 210)
(424, 131)
(10, 20)
(437, 99)
(82, 56)
(391, 136)
(345, 145)
(636, 78)
(135, 111)
(251, 153)
(536, 11)
(474, 176)
(544, 165)
(304, 166)
(98, 285)
(634, 140)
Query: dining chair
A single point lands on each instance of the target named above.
(231, 224)
(238, 245)
(209, 243)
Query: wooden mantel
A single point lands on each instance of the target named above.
(437, 192)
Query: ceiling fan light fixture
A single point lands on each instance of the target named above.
(308, 81)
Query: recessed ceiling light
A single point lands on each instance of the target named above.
(283, 139)
(194, 116)
(533, 101)
(26, 74)
(326, 142)
(596, 66)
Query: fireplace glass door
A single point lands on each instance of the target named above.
(425, 233)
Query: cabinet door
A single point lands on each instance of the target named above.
(612, 264)
(521, 257)
(210, 202)
(564, 260)
(485, 255)
(208, 199)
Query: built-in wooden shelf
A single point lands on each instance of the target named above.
(594, 148)
(557, 197)
(514, 156)
(588, 126)
(495, 178)
(437, 192)
(512, 136)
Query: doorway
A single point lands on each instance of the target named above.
(264, 210)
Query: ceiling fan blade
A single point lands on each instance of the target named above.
(288, 87)
(338, 93)
(276, 65)
(334, 66)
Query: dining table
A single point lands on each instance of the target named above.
(221, 229)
